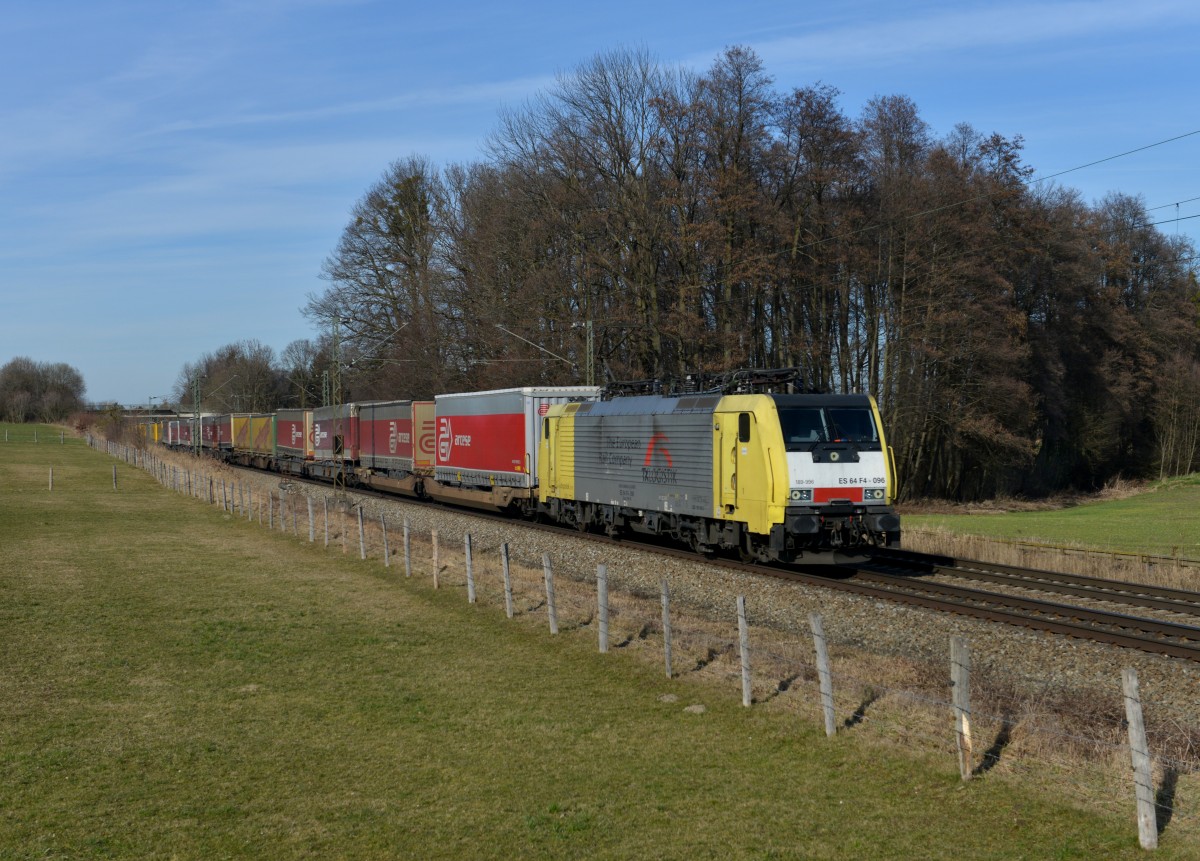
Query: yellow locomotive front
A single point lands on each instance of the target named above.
(808, 475)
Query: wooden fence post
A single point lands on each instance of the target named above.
(744, 648)
(960, 680)
(508, 598)
(362, 536)
(407, 551)
(824, 676)
(436, 564)
(387, 556)
(666, 624)
(548, 574)
(1139, 750)
(114, 476)
(312, 523)
(602, 604)
(470, 569)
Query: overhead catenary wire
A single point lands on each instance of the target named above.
(936, 209)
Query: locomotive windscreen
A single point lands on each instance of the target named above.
(804, 427)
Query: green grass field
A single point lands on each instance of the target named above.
(1164, 521)
(182, 684)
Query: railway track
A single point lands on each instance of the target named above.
(1142, 596)
(1146, 618)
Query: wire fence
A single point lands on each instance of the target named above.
(987, 721)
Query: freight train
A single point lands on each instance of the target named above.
(773, 477)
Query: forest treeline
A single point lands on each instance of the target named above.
(1018, 339)
(39, 391)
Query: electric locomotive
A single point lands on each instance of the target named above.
(772, 477)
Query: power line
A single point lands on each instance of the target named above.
(1118, 155)
(988, 195)
(1170, 220)
(1176, 203)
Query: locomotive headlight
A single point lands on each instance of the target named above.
(802, 495)
(873, 493)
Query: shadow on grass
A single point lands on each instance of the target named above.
(711, 656)
(640, 635)
(1164, 798)
(991, 756)
(860, 713)
(783, 686)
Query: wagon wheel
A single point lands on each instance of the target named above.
(698, 546)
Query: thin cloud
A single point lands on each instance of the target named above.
(951, 30)
(461, 94)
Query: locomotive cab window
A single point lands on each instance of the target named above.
(853, 425)
(805, 427)
(743, 427)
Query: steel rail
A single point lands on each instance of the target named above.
(906, 563)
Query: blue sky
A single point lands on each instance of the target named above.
(173, 174)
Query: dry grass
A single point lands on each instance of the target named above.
(1110, 565)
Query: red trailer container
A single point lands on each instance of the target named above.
(216, 432)
(490, 439)
(294, 437)
(336, 433)
(386, 428)
(179, 433)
